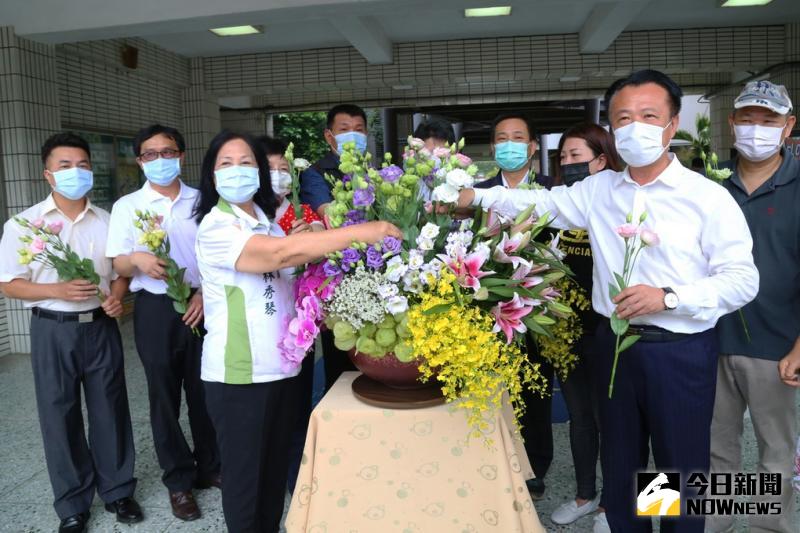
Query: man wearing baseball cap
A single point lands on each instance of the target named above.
(766, 184)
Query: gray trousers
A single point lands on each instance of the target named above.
(65, 357)
(750, 383)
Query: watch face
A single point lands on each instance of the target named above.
(671, 300)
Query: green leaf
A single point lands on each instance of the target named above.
(535, 327)
(544, 320)
(620, 281)
(618, 325)
(628, 341)
(180, 307)
(436, 309)
(495, 282)
(506, 292)
(558, 307)
(613, 290)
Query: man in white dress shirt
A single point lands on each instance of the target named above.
(702, 269)
(75, 343)
(169, 350)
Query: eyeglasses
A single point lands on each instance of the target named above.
(152, 155)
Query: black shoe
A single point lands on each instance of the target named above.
(536, 488)
(206, 482)
(127, 510)
(74, 524)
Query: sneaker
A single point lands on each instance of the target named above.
(601, 524)
(571, 511)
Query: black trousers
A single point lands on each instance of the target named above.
(335, 360)
(584, 432)
(170, 355)
(664, 398)
(65, 357)
(537, 422)
(253, 424)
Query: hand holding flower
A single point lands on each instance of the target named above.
(149, 265)
(77, 290)
(639, 300)
(194, 311)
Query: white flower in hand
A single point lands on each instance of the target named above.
(458, 179)
(301, 164)
(445, 193)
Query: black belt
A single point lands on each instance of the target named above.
(653, 333)
(67, 316)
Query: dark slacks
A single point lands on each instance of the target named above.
(253, 424)
(584, 433)
(335, 360)
(66, 356)
(664, 398)
(537, 422)
(170, 354)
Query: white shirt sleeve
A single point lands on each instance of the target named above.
(221, 241)
(569, 206)
(733, 278)
(120, 231)
(10, 267)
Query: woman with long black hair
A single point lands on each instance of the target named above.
(246, 264)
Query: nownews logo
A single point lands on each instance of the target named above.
(660, 494)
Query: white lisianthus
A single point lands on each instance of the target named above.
(387, 291)
(445, 193)
(415, 144)
(395, 269)
(425, 244)
(415, 260)
(301, 164)
(429, 231)
(458, 179)
(397, 304)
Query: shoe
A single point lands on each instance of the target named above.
(600, 524)
(205, 482)
(183, 505)
(536, 488)
(126, 509)
(571, 511)
(74, 524)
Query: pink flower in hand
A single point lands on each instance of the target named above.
(649, 237)
(55, 228)
(37, 246)
(37, 223)
(508, 316)
(626, 231)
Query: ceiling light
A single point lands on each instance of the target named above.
(499, 11)
(230, 31)
(743, 3)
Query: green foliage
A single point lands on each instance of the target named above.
(305, 130)
(702, 143)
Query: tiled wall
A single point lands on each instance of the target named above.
(201, 120)
(29, 113)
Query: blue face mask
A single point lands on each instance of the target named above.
(162, 171)
(73, 183)
(511, 155)
(351, 136)
(237, 184)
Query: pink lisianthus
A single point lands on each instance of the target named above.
(467, 269)
(504, 253)
(428, 207)
(37, 246)
(54, 228)
(649, 237)
(463, 160)
(628, 230)
(508, 316)
(441, 152)
(37, 223)
(415, 143)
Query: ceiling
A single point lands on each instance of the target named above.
(371, 26)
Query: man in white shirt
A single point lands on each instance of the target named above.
(702, 269)
(75, 342)
(170, 352)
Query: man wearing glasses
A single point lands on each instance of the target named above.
(169, 351)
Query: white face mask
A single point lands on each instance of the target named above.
(639, 144)
(281, 182)
(757, 143)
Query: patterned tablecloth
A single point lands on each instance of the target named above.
(370, 470)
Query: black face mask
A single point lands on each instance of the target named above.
(574, 172)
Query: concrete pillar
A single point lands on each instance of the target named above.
(29, 114)
(544, 160)
(201, 121)
(269, 124)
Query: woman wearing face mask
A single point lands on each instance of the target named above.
(585, 149)
(282, 187)
(246, 264)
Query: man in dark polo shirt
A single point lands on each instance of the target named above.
(766, 185)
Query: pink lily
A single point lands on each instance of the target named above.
(467, 269)
(523, 275)
(508, 316)
(493, 224)
(509, 245)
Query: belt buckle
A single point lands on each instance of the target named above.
(85, 318)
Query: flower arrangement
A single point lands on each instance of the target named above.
(155, 238)
(457, 297)
(44, 245)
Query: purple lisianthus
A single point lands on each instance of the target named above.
(391, 173)
(346, 178)
(364, 197)
(374, 258)
(392, 245)
(350, 257)
(331, 269)
(355, 216)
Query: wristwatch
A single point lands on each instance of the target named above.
(670, 299)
